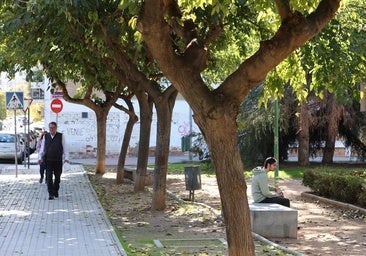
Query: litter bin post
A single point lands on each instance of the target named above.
(193, 180)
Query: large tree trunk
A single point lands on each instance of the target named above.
(333, 115)
(101, 141)
(164, 109)
(221, 137)
(146, 105)
(329, 148)
(303, 135)
(126, 141)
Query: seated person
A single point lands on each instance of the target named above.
(260, 187)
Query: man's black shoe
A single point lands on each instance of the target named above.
(40, 180)
(51, 197)
(56, 195)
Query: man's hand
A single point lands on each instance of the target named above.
(279, 193)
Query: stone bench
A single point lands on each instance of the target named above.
(130, 173)
(273, 220)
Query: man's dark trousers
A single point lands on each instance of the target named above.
(53, 168)
(277, 200)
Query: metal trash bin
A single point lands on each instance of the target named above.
(193, 180)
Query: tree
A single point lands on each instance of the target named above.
(36, 111)
(103, 38)
(179, 43)
(106, 31)
(101, 110)
(256, 124)
(54, 44)
(329, 86)
(117, 43)
(337, 39)
(2, 107)
(129, 110)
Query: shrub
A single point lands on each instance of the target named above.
(362, 196)
(342, 186)
(345, 188)
(318, 183)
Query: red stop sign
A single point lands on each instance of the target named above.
(56, 105)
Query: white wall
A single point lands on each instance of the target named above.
(81, 133)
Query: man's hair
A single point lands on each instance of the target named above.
(53, 123)
(269, 161)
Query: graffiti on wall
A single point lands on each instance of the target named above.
(81, 132)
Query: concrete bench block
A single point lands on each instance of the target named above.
(130, 173)
(273, 220)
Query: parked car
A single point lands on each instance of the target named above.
(9, 144)
(30, 141)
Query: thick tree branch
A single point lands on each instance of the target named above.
(293, 33)
(157, 35)
(283, 7)
(84, 101)
(126, 97)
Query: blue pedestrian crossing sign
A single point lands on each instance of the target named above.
(14, 100)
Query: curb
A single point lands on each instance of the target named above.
(266, 241)
(117, 242)
(333, 202)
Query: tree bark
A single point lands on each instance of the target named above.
(303, 135)
(164, 110)
(221, 137)
(126, 141)
(101, 141)
(145, 103)
(333, 114)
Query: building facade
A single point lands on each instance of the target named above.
(79, 125)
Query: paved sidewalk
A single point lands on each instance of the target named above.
(73, 224)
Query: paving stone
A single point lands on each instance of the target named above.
(73, 224)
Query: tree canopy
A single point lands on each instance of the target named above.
(334, 65)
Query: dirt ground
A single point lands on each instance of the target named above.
(196, 229)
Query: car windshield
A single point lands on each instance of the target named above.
(7, 138)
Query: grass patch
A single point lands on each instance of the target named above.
(207, 168)
(177, 168)
(287, 173)
(120, 239)
(181, 243)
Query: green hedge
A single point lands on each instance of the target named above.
(342, 186)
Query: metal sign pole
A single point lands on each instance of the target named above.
(28, 136)
(26, 142)
(15, 143)
(14, 100)
(190, 135)
(26, 106)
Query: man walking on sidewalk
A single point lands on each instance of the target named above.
(53, 153)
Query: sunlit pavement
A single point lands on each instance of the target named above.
(72, 224)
